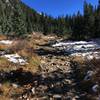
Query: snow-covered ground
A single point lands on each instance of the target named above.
(15, 58)
(89, 50)
(88, 55)
(6, 42)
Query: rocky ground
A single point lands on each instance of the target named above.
(60, 75)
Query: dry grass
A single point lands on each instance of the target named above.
(8, 91)
(3, 37)
(41, 39)
(25, 48)
(7, 66)
(85, 86)
(3, 47)
(79, 59)
(4, 98)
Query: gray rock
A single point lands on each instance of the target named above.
(33, 90)
(57, 97)
(15, 85)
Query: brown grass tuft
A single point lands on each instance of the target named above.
(3, 37)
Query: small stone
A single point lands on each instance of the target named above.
(67, 81)
(89, 75)
(33, 90)
(74, 98)
(15, 85)
(20, 97)
(68, 98)
(24, 96)
(0, 85)
(57, 97)
(95, 88)
(44, 98)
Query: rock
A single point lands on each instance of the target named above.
(42, 88)
(15, 85)
(43, 62)
(67, 81)
(33, 90)
(75, 98)
(57, 97)
(44, 98)
(25, 96)
(20, 97)
(68, 98)
(89, 75)
(95, 88)
(0, 85)
(57, 88)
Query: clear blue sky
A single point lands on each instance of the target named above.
(58, 7)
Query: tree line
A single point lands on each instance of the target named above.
(18, 19)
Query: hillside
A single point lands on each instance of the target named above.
(18, 19)
(15, 18)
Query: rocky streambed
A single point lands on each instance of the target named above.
(59, 77)
(86, 49)
(59, 57)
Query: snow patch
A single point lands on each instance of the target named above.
(86, 49)
(68, 43)
(6, 42)
(15, 58)
(77, 45)
(87, 55)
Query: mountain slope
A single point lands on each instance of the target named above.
(16, 17)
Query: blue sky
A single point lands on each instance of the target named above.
(58, 7)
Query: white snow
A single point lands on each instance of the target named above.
(15, 58)
(87, 55)
(6, 42)
(68, 43)
(77, 45)
(86, 49)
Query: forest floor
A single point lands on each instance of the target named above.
(49, 68)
